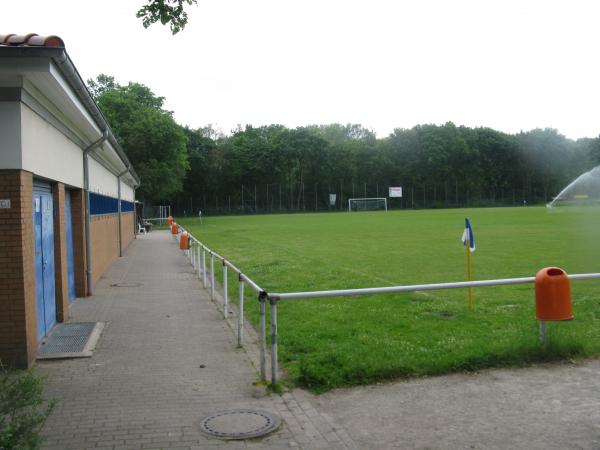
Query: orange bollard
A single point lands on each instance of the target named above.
(552, 295)
(170, 220)
(174, 228)
(184, 242)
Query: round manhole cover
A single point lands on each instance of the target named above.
(240, 424)
(126, 285)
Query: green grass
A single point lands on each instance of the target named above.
(334, 342)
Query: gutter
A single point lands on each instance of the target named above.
(86, 187)
(67, 68)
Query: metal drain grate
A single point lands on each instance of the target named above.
(240, 424)
(69, 340)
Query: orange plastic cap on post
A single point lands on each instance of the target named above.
(174, 228)
(552, 295)
(184, 242)
(170, 220)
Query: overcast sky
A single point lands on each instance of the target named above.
(509, 65)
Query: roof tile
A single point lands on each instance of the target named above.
(31, 40)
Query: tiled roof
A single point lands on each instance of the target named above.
(30, 40)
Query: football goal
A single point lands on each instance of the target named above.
(367, 204)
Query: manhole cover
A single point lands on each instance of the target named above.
(240, 424)
(126, 285)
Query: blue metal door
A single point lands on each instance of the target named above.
(43, 219)
(70, 264)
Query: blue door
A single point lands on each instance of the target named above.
(43, 220)
(70, 265)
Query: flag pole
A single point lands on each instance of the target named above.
(469, 290)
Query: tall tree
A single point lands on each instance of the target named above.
(152, 140)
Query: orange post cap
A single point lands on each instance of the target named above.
(184, 242)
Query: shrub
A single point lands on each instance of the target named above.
(23, 410)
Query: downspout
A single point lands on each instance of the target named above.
(119, 209)
(86, 185)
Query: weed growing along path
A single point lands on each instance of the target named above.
(328, 343)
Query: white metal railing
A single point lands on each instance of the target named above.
(199, 263)
(197, 256)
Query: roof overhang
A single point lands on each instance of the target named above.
(47, 78)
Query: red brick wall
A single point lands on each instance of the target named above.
(105, 240)
(18, 323)
(18, 319)
(78, 227)
(105, 243)
(127, 229)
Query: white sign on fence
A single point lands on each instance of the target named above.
(5, 203)
(332, 198)
(395, 192)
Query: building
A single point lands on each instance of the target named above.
(67, 192)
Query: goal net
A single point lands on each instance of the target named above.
(367, 204)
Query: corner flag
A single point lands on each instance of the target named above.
(468, 235)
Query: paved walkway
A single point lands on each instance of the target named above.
(165, 360)
(548, 407)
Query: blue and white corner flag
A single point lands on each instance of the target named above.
(468, 234)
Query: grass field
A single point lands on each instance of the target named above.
(334, 342)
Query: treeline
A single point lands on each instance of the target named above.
(274, 168)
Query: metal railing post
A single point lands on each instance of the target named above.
(204, 266)
(274, 361)
(262, 336)
(225, 296)
(240, 334)
(199, 261)
(212, 276)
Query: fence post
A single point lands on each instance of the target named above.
(204, 266)
(198, 262)
(193, 254)
(212, 276)
(241, 313)
(225, 296)
(274, 362)
(262, 336)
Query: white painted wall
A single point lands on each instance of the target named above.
(10, 135)
(102, 181)
(47, 152)
(126, 192)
